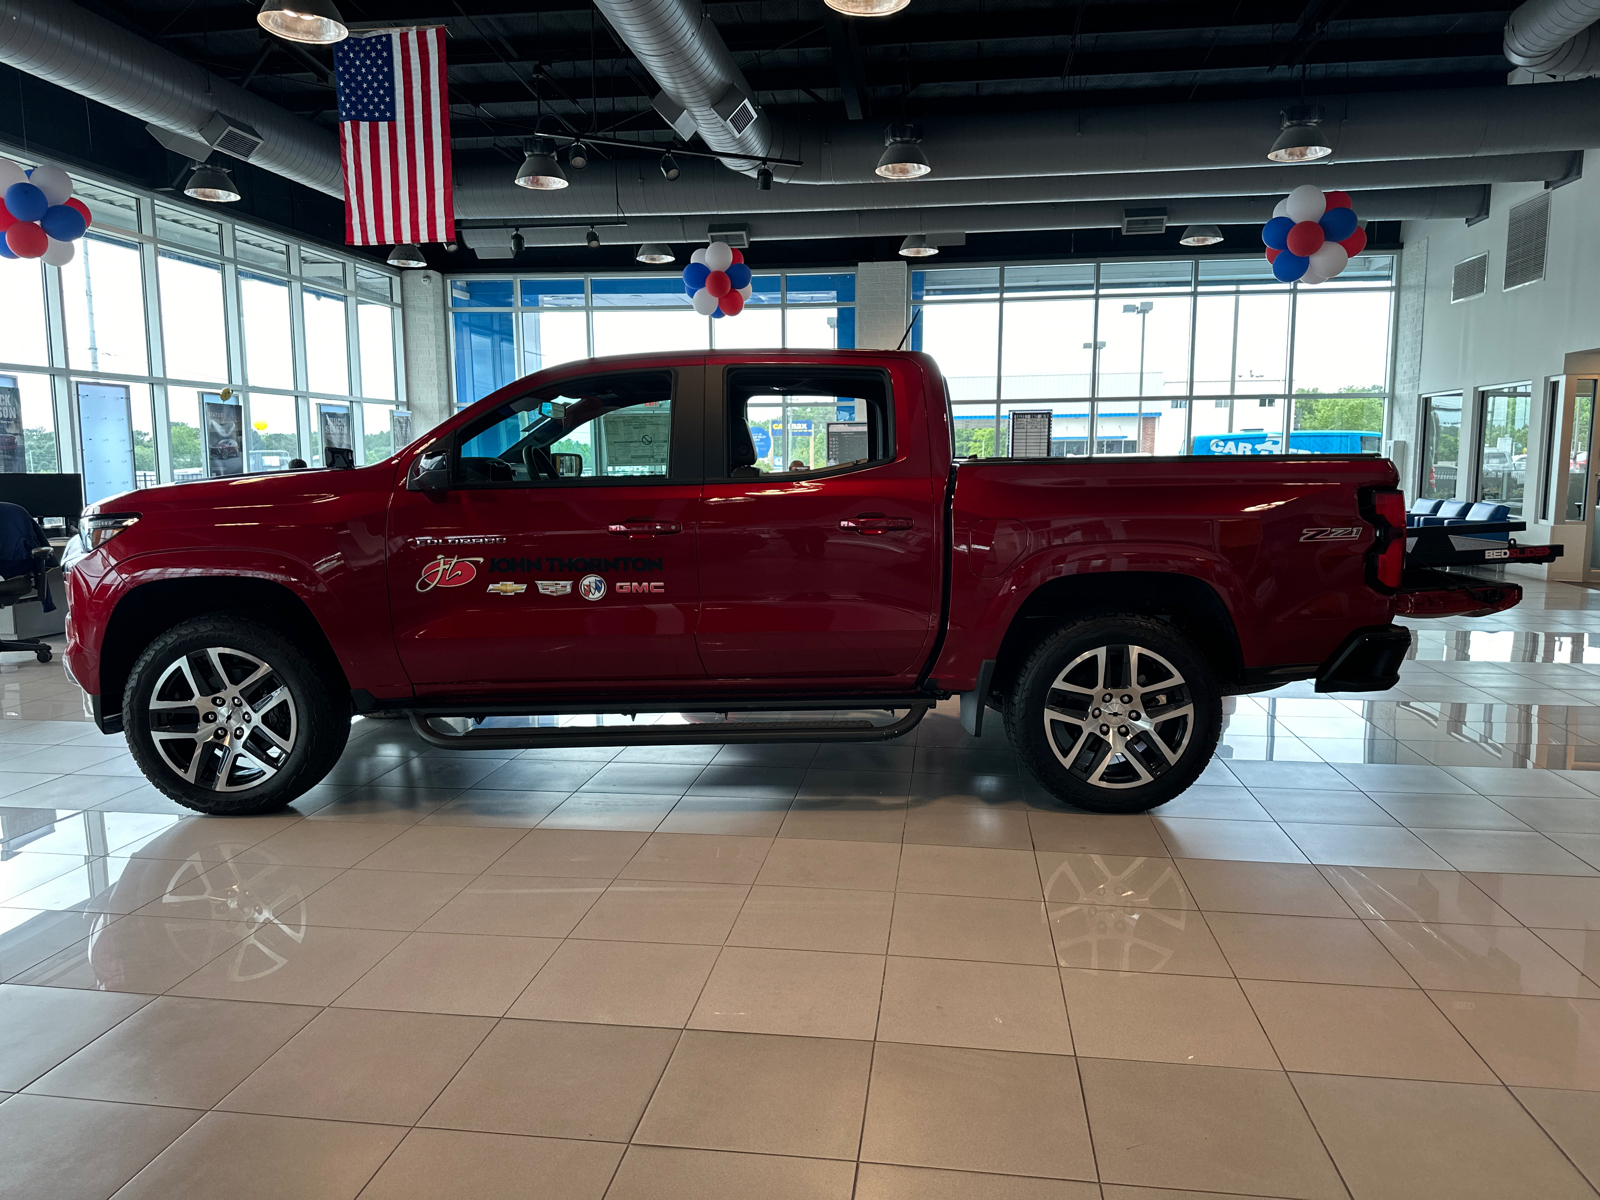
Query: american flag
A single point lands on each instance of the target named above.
(394, 137)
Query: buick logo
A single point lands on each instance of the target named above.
(591, 587)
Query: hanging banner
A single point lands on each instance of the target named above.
(335, 424)
(400, 427)
(224, 437)
(13, 443)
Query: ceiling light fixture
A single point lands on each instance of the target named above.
(916, 246)
(540, 171)
(902, 153)
(407, 255)
(518, 242)
(212, 184)
(669, 167)
(577, 156)
(764, 179)
(592, 239)
(1303, 138)
(655, 253)
(1200, 235)
(866, 8)
(314, 22)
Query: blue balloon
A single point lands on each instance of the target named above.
(738, 275)
(717, 312)
(1275, 233)
(1338, 223)
(63, 223)
(5, 250)
(694, 276)
(26, 202)
(1289, 267)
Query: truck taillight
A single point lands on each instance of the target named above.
(1386, 509)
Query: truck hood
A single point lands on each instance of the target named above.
(286, 487)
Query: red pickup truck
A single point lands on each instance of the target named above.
(598, 538)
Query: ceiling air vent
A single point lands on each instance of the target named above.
(736, 110)
(1143, 221)
(1470, 279)
(231, 136)
(1527, 232)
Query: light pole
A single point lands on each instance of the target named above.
(1143, 309)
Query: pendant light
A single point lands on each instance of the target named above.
(540, 171)
(212, 184)
(406, 255)
(312, 22)
(669, 167)
(902, 153)
(866, 8)
(591, 239)
(1200, 235)
(577, 156)
(655, 253)
(1303, 139)
(916, 246)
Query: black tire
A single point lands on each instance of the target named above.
(1165, 747)
(297, 724)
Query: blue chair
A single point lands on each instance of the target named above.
(1422, 508)
(1448, 511)
(1488, 512)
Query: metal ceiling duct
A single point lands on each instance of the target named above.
(1555, 37)
(57, 41)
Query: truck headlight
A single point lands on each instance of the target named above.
(100, 528)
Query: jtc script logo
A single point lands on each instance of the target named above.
(447, 571)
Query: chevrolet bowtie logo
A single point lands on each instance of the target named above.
(508, 589)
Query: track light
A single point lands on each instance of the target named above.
(1200, 235)
(592, 239)
(866, 8)
(578, 156)
(518, 242)
(655, 253)
(669, 166)
(540, 170)
(764, 180)
(1302, 139)
(407, 255)
(314, 22)
(916, 246)
(211, 183)
(902, 153)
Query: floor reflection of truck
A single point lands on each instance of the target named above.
(1301, 441)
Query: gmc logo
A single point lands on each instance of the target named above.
(1340, 533)
(627, 587)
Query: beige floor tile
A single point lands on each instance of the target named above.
(29, 936)
(1580, 947)
(483, 806)
(976, 1110)
(762, 1094)
(857, 820)
(240, 891)
(1387, 1032)
(876, 1181)
(322, 843)
(1109, 938)
(1321, 807)
(736, 815)
(1399, 1139)
(1282, 889)
(1117, 1191)
(1251, 841)
(109, 885)
(1210, 1129)
(806, 862)
(972, 927)
(1572, 1119)
(1553, 901)
(56, 1149)
(433, 1164)
(961, 822)
(969, 871)
(1102, 879)
(40, 1027)
(1531, 1041)
(362, 899)
(1504, 850)
(1412, 894)
(312, 970)
(554, 1079)
(1363, 846)
(176, 1051)
(663, 1173)
(359, 1065)
(990, 1006)
(634, 812)
(1305, 949)
(137, 954)
(698, 858)
(248, 1157)
(214, 839)
(1164, 1018)
(460, 973)
(807, 993)
(1481, 958)
(648, 911)
(452, 848)
(1428, 811)
(584, 853)
(1095, 833)
(618, 983)
(518, 906)
(810, 918)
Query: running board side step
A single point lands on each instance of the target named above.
(721, 733)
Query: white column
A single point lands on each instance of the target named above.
(425, 342)
(883, 304)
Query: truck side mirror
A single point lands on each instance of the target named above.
(568, 465)
(429, 473)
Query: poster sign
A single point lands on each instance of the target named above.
(636, 438)
(400, 426)
(1030, 433)
(335, 426)
(847, 442)
(762, 437)
(13, 442)
(224, 437)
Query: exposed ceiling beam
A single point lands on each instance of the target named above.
(846, 61)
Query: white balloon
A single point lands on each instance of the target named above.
(10, 173)
(1329, 260)
(746, 290)
(699, 256)
(1306, 203)
(1313, 279)
(704, 303)
(55, 183)
(719, 257)
(1282, 209)
(59, 254)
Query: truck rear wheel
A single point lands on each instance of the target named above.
(229, 717)
(1115, 714)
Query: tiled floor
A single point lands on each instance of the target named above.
(1361, 959)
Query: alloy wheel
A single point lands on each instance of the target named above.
(1119, 716)
(223, 719)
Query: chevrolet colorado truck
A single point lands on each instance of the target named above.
(599, 538)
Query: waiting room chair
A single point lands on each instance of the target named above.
(25, 559)
(1420, 509)
(1449, 510)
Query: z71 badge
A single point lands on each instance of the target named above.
(1337, 533)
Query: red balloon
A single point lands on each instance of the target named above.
(738, 254)
(1305, 239)
(718, 283)
(27, 240)
(6, 219)
(731, 305)
(1272, 255)
(1338, 199)
(1355, 243)
(83, 210)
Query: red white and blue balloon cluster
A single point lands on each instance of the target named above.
(717, 280)
(1312, 235)
(39, 217)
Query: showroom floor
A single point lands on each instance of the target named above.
(1361, 959)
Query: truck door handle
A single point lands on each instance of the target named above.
(644, 528)
(870, 524)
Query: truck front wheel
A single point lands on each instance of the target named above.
(229, 717)
(1115, 714)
